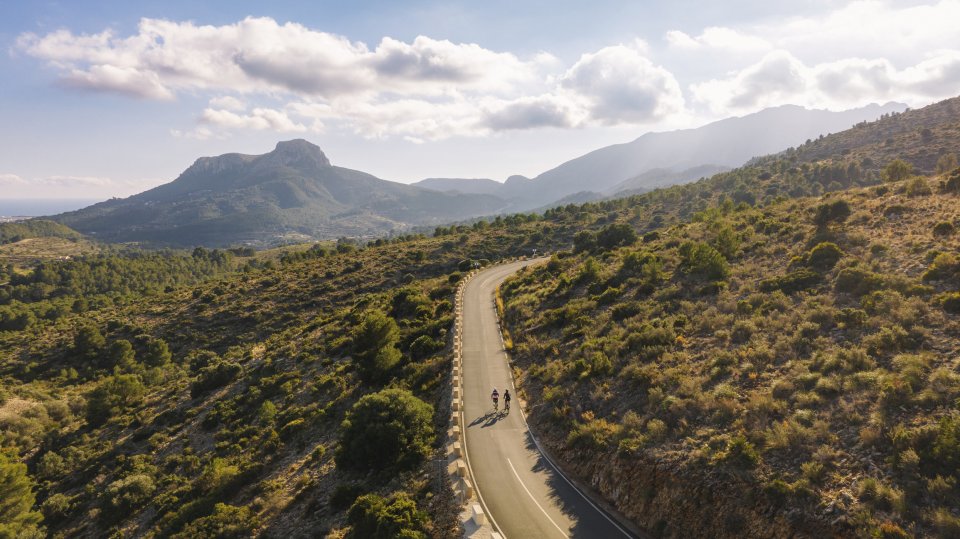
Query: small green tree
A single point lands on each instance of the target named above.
(824, 256)
(375, 346)
(120, 355)
(88, 342)
(157, 353)
(897, 170)
(112, 396)
(700, 259)
(17, 518)
(946, 163)
(616, 235)
(390, 429)
(835, 211)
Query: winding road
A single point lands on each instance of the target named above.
(520, 489)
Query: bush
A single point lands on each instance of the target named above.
(215, 375)
(616, 235)
(831, 212)
(740, 453)
(114, 395)
(131, 492)
(824, 256)
(918, 187)
(943, 229)
(423, 346)
(857, 281)
(226, 522)
(373, 517)
(390, 429)
(700, 259)
(951, 302)
(896, 171)
(794, 281)
(375, 346)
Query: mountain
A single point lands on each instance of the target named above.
(658, 159)
(292, 192)
(477, 186)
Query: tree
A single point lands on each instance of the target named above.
(88, 342)
(616, 235)
(584, 241)
(700, 259)
(226, 522)
(388, 430)
(157, 354)
(120, 354)
(946, 163)
(112, 396)
(375, 346)
(17, 519)
(897, 170)
(836, 211)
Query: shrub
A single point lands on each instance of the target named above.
(390, 429)
(836, 211)
(423, 346)
(226, 522)
(128, 493)
(918, 187)
(943, 229)
(857, 281)
(114, 395)
(794, 281)
(616, 235)
(344, 495)
(896, 171)
(740, 453)
(951, 302)
(215, 375)
(375, 346)
(700, 259)
(824, 256)
(373, 517)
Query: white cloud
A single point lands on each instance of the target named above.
(11, 180)
(426, 89)
(257, 119)
(719, 38)
(227, 102)
(780, 77)
(620, 85)
(65, 186)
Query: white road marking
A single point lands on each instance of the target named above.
(535, 500)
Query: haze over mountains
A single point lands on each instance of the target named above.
(657, 159)
(292, 192)
(295, 193)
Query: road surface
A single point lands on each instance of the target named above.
(522, 492)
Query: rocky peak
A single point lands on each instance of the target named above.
(298, 153)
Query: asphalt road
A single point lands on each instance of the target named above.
(522, 492)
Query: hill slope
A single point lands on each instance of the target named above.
(292, 191)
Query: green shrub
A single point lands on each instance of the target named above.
(344, 495)
(951, 302)
(702, 260)
(917, 187)
(375, 346)
(836, 211)
(824, 256)
(857, 281)
(226, 522)
(794, 281)
(896, 171)
(128, 493)
(17, 519)
(423, 346)
(114, 395)
(740, 453)
(616, 235)
(215, 375)
(373, 517)
(390, 429)
(943, 229)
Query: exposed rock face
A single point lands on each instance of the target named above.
(673, 502)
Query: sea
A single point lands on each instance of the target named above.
(37, 207)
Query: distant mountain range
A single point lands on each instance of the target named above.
(294, 194)
(291, 193)
(658, 159)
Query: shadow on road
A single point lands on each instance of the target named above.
(489, 419)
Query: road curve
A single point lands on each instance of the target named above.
(522, 492)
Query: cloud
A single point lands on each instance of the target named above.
(11, 180)
(620, 85)
(426, 89)
(66, 186)
(532, 112)
(258, 119)
(719, 38)
(780, 77)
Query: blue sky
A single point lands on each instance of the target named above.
(107, 99)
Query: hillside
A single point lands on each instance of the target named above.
(745, 333)
(658, 159)
(291, 193)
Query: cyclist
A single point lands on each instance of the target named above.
(506, 399)
(495, 396)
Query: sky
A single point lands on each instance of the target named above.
(110, 98)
